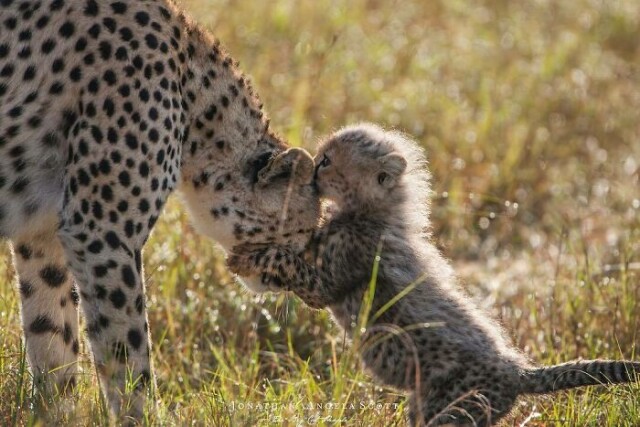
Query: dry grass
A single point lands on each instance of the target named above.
(529, 111)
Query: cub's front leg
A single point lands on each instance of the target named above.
(248, 261)
(280, 268)
(252, 259)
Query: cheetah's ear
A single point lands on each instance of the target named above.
(294, 165)
(391, 167)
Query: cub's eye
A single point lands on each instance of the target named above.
(325, 161)
(382, 178)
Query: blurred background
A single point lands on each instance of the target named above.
(529, 112)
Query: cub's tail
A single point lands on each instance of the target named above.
(548, 379)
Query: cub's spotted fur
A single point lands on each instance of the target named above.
(432, 342)
(106, 107)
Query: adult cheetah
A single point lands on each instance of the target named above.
(106, 107)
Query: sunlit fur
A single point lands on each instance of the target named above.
(434, 343)
(106, 108)
(351, 178)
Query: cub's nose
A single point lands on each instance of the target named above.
(315, 188)
(315, 172)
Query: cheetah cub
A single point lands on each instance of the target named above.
(423, 334)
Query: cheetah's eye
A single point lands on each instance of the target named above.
(325, 161)
(258, 164)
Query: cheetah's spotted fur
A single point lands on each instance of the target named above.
(106, 107)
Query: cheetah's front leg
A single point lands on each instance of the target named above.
(109, 275)
(49, 310)
(112, 199)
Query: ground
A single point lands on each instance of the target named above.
(529, 114)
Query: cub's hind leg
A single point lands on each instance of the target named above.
(451, 406)
(49, 310)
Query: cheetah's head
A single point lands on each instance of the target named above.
(266, 197)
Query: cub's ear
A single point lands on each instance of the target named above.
(391, 167)
(294, 165)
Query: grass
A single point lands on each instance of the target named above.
(529, 113)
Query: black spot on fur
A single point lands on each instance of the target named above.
(105, 50)
(112, 239)
(24, 251)
(142, 18)
(138, 260)
(56, 5)
(135, 338)
(119, 7)
(128, 277)
(67, 29)
(95, 247)
(19, 185)
(91, 8)
(26, 288)
(103, 321)
(140, 304)
(101, 292)
(118, 298)
(100, 271)
(152, 41)
(67, 333)
(43, 324)
(53, 276)
(110, 24)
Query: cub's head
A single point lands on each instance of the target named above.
(365, 167)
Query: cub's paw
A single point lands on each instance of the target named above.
(273, 282)
(243, 264)
(249, 259)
